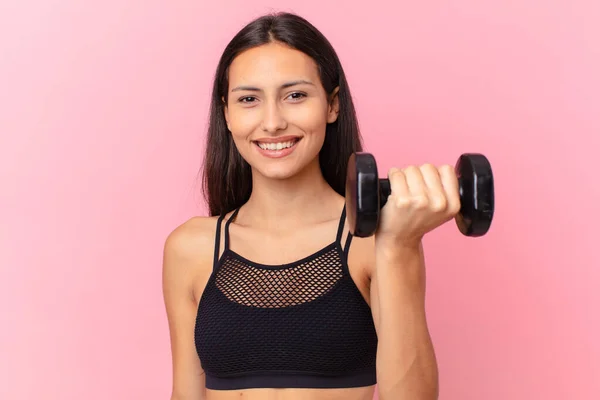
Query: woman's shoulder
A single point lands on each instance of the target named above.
(189, 247)
(186, 237)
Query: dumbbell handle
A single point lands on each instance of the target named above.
(385, 190)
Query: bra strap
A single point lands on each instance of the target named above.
(218, 240)
(341, 226)
(346, 247)
(227, 228)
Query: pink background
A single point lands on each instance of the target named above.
(103, 108)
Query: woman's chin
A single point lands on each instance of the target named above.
(285, 170)
(278, 173)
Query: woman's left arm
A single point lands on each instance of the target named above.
(422, 199)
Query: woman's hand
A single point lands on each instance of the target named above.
(422, 198)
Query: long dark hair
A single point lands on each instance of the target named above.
(227, 179)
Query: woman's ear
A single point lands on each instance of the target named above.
(334, 106)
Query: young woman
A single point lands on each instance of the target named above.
(271, 297)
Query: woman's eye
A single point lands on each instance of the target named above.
(297, 96)
(252, 99)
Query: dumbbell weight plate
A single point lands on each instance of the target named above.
(476, 187)
(362, 194)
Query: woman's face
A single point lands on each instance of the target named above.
(277, 109)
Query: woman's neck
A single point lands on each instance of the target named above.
(304, 198)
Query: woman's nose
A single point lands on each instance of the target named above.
(273, 119)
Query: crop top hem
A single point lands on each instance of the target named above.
(283, 379)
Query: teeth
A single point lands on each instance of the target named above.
(276, 146)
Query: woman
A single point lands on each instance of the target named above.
(271, 296)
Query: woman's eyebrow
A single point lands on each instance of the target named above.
(284, 86)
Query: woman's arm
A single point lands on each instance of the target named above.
(422, 199)
(186, 259)
(406, 363)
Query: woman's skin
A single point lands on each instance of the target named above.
(275, 92)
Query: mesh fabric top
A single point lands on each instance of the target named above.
(302, 324)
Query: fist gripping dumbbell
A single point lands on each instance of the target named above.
(366, 194)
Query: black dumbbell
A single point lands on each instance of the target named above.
(366, 194)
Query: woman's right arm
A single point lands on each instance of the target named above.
(187, 260)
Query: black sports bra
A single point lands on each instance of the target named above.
(299, 325)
